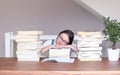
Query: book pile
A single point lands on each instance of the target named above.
(89, 44)
(28, 45)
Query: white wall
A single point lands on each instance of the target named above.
(50, 16)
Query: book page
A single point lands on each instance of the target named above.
(59, 59)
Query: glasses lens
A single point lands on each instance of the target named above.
(63, 39)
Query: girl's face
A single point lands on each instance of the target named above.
(62, 39)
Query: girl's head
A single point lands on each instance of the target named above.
(65, 37)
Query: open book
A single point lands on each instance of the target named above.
(59, 55)
(59, 59)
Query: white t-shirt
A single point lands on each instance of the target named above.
(49, 42)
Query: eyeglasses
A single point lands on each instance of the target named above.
(66, 42)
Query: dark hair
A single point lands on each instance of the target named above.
(70, 35)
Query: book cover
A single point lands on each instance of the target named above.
(21, 36)
(88, 49)
(30, 32)
(90, 59)
(26, 40)
(89, 33)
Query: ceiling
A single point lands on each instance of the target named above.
(101, 8)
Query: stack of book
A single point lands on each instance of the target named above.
(28, 45)
(89, 44)
(59, 55)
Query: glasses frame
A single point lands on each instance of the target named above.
(63, 39)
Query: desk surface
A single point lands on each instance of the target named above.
(78, 67)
